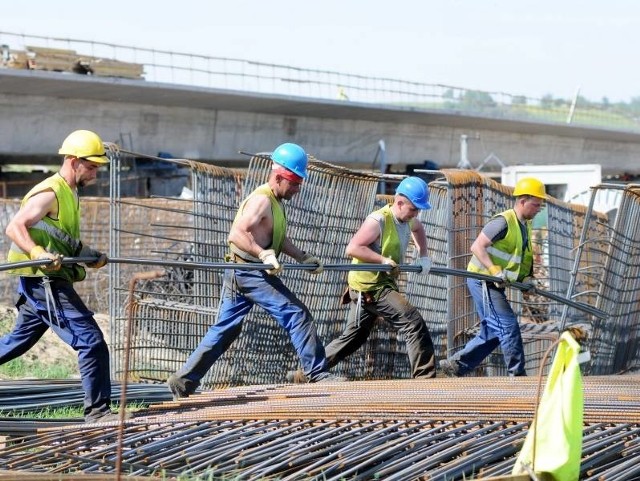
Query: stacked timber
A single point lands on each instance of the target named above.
(103, 67)
(63, 60)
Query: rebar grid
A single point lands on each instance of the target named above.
(402, 430)
(176, 310)
(582, 256)
(616, 340)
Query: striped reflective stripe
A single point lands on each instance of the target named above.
(511, 276)
(57, 234)
(512, 258)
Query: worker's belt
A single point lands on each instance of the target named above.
(232, 257)
(351, 295)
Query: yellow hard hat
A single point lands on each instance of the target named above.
(530, 186)
(86, 145)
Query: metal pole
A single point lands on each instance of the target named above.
(310, 267)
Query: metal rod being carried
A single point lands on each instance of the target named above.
(309, 267)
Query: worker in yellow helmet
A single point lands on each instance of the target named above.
(47, 228)
(503, 249)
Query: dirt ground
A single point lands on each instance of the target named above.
(50, 349)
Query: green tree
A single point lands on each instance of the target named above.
(476, 100)
(546, 101)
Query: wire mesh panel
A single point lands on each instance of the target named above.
(615, 342)
(172, 313)
(166, 229)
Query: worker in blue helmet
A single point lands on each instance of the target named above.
(383, 238)
(258, 236)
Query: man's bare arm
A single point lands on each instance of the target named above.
(36, 207)
(359, 248)
(253, 230)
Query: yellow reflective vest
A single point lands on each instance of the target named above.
(366, 281)
(279, 223)
(508, 253)
(61, 235)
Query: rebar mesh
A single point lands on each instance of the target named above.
(616, 340)
(582, 254)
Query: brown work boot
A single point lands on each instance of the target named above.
(297, 377)
(180, 387)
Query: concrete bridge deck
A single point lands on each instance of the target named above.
(39, 108)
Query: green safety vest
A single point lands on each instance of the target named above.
(508, 253)
(61, 235)
(279, 222)
(365, 281)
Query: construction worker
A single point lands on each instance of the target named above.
(503, 249)
(47, 228)
(258, 235)
(383, 238)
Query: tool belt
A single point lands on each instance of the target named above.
(233, 257)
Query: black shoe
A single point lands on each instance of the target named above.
(105, 417)
(328, 377)
(180, 387)
(450, 368)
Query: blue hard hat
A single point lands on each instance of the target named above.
(292, 157)
(416, 190)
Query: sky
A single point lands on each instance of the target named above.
(519, 47)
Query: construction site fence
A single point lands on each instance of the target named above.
(157, 317)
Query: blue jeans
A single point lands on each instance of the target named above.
(241, 290)
(74, 324)
(498, 327)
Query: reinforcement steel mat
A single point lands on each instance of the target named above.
(441, 429)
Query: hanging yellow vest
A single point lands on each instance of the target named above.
(279, 223)
(508, 253)
(557, 427)
(366, 281)
(61, 235)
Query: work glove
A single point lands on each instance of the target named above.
(496, 271)
(425, 265)
(39, 253)
(101, 258)
(395, 270)
(268, 256)
(529, 283)
(311, 259)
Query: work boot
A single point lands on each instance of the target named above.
(449, 368)
(328, 377)
(105, 416)
(297, 377)
(180, 387)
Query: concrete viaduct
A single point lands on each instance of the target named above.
(38, 109)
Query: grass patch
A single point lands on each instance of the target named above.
(28, 365)
(20, 368)
(64, 412)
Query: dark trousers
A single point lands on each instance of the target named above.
(397, 311)
(73, 322)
